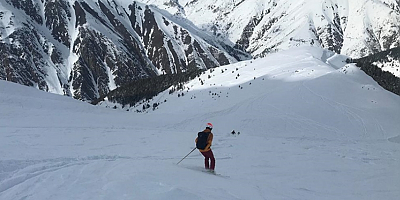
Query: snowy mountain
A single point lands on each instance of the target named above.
(354, 28)
(85, 49)
(311, 127)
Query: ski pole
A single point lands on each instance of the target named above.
(186, 155)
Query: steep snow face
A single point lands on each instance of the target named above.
(372, 27)
(355, 28)
(311, 127)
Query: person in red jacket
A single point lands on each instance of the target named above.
(203, 143)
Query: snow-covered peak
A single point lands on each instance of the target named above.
(355, 28)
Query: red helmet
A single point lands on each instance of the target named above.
(209, 125)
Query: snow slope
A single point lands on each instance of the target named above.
(352, 27)
(309, 130)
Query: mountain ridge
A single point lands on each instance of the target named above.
(355, 28)
(85, 49)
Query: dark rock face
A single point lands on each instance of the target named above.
(331, 36)
(57, 14)
(31, 8)
(84, 49)
(90, 78)
(19, 62)
(243, 42)
(171, 47)
(153, 41)
(79, 14)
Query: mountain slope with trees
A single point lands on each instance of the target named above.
(85, 49)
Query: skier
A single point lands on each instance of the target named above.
(203, 143)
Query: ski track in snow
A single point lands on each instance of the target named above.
(341, 108)
(33, 169)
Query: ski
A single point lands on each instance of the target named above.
(215, 173)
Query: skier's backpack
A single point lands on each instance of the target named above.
(202, 140)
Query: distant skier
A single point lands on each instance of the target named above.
(203, 143)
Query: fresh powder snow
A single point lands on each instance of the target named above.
(311, 127)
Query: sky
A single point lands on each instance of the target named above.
(311, 127)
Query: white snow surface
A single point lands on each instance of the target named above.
(308, 130)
